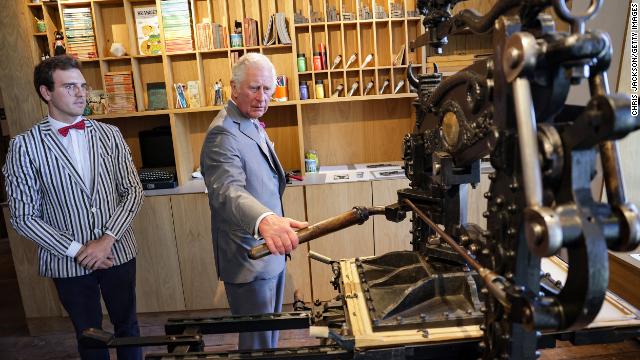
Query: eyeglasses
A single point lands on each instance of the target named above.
(75, 89)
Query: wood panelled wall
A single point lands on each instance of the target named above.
(23, 107)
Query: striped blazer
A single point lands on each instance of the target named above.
(51, 205)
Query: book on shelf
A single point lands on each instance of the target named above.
(181, 97)
(193, 91)
(147, 30)
(234, 57)
(119, 90)
(277, 30)
(176, 24)
(78, 28)
(156, 96)
(250, 28)
(220, 36)
(204, 36)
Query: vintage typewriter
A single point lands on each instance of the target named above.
(158, 178)
(158, 165)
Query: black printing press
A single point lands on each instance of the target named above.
(465, 291)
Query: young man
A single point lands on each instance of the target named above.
(73, 189)
(245, 182)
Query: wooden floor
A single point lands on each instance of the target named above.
(54, 337)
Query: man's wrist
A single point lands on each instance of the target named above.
(256, 233)
(107, 236)
(108, 232)
(73, 249)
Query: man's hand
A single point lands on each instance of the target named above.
(278, 233)
(93, 254)
(106, 263)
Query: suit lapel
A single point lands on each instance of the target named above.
(58, 151)
(278, 165)
(248, 129)
(93, 143)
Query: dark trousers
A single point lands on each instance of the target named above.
(80, 296)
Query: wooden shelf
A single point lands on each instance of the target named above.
(289, 121)
(146, 56)
(133, 114)
(77, 2)
(115, 58)
(358, 98)
(197, 109)
(180, 53)
(213, 51)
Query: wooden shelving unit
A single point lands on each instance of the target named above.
(342, 129)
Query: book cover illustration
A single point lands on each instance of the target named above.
(147, 30)
(156, 96)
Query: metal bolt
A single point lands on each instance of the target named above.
(487, 195)
(514, 57)
(486, 214)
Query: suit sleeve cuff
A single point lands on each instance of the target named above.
(256, 232)
(73, 249)
(108, 232)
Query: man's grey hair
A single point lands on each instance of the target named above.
(251, 59)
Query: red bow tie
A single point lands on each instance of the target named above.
(64, 131)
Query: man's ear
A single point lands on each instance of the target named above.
(234, 89)
(46, 94)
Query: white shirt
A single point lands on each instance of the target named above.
(77, 147)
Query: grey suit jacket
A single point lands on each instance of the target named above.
(242, 185)
(51, 205)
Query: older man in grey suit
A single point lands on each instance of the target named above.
(245, 182)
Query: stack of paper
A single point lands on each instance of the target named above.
(78, 25)
(120, 95)
(176, 22)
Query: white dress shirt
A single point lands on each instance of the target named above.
(77, 147)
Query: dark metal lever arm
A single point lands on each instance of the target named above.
(357, 215)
